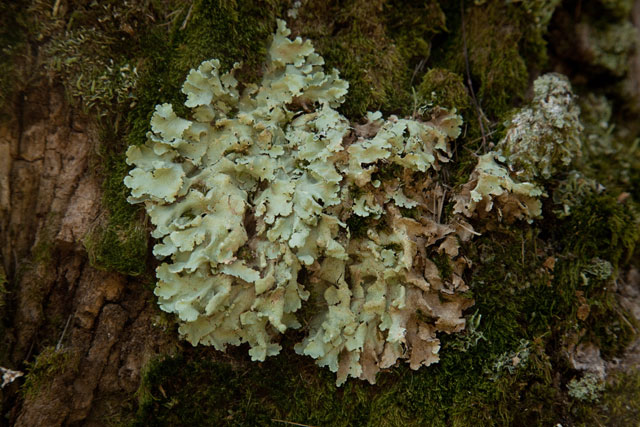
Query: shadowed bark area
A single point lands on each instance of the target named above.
(78, 83)
(103, 321)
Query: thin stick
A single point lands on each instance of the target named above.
(469, 230)
(63, 332)
(466, 64)
(444, 194)
(56, 8)
(184, 24)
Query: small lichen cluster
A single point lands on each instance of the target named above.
(545, 136)
(588, 388)
(491, 183)
(261, 184)
(541, 139)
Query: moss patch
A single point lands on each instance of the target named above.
(446, 89)
(618, 405)
(12, 44)
(380, 47)
(47, 365)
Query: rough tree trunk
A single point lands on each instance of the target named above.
(50, 199)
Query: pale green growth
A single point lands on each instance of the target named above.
(471, 336)
(491, 182)
(572, 192)
(257, 186)
(510, 361)
(595, 115)
(545, 136)
(608, 46)
(540, 140)
(598, 269)
(588, 388)
(540, 10)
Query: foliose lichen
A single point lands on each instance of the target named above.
(541, 139)
(261, 183)
(491, 181)
(588, 388)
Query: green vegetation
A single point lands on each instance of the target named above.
(12, 45)
(442, 87)
(380, 47)
(618, 405)
(46, 366)
(119, 242)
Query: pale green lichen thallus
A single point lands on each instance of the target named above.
(261, 183)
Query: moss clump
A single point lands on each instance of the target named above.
(118, 248)
(599, 233)
(443, 87)
(12, 43)
(119, 241)
(618, 404)
(443, 263)
(503, 43)
(46, 366)
(378, 46)
(205, 391)
(600, 227)
(608, 139)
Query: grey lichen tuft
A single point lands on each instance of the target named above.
(545, 136)
(588, 388)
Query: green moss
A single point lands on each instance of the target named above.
(504, 42)
(609, 139)
(445, 88)
(358, 225)
(12, 44)
(118, 248)
(601, 227)
(443, 262)
(119, 241)
(599, 230)
(47, 365)
(380, 47)
(619, 405)
(618, 8)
